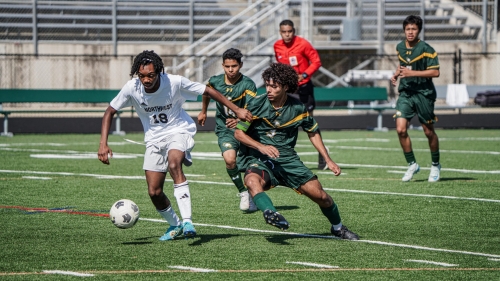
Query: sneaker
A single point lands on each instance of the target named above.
(344, 233)
(412, 169)
(246, 202)
(172, 232)
(276, 219)
(188, 161)
(188, 230)
(435, 171)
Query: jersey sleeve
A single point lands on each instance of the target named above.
(122, 100)
(313, 57)
(191, 90)
(309, 124)
(432, 60)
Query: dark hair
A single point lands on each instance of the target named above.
(416, 20)
(232, 54)
(282, 74)
(145, 58)
(287, 22)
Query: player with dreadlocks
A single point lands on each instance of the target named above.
(267, 151)
(158, 98)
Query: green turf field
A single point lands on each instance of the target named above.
(54, 195)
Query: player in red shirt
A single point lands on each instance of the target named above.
(299, 53)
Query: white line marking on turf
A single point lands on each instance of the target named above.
(312, 264)
(36, 178)
(194, 269)
(406, 167)
(81, 156)
(434, 263)
(333, 237)
(96, 175)
(68, 273)
(396, 172)
(494, 259)
(416, 149)
(412, 194)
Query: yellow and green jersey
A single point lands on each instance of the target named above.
(421, 57)
(235, 93)
(277, 127)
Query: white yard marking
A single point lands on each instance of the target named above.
(312, 264)
(494, 259)
(92, 175)
(415, 149)
(68, 273)
(333, 237)
(36, 178)
(412, 194)
(433, 262)
(406, 167)
(396, 172)
(193, 269)
(81, 156)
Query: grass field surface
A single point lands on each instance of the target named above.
(55, 197)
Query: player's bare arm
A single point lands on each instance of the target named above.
(202, 116)
(317, 142)
(241, 113)
(268, 150)
(394, 78)
(428, 73)
(104, 150)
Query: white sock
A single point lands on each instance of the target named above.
(170, 216)
(337, 227)
(181, 193)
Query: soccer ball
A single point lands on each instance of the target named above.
(124, 213)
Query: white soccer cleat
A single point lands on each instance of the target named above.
(412, 169)
(246, 202)
(434, 175)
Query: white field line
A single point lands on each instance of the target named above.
(230, 183)
(68, 273)
(412, 195)
(333, 237)
(491, 259)
(82, 156)
(312, 264)
(406, 167)
(193, 269)
(415, 149)
(92, 175)
(36, 178)
(433, 262)
(396, 172)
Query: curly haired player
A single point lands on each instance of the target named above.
(267, 153)
(157, 98)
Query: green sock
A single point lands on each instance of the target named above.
(263, 202)
(332, 213)
(236, 178)
(410, 158)
(435, 157)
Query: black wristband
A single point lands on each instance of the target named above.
(304, 75)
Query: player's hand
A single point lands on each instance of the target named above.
(334, 168)
(244, 114)
(103, 153)
(394, 79)
(231, 123)
(202, 117)
(270, 151)
(300, 77)
(404, 72)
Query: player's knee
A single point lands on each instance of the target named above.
(155, 192)
(402, 131)
(231, 164)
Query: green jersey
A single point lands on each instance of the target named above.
(277, 127)
(421, 57)
(235, 93)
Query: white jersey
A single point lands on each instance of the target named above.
(161, 112)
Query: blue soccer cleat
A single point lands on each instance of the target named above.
(172, 232)
(189, 231)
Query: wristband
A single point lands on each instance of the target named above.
(243, 125)
(304, 75)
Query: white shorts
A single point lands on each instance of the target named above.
(155, 157)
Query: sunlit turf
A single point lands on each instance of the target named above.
(418, 230)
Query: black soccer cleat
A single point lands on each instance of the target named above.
(276, 219)
(344, 233)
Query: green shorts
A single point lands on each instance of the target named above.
(410, 104)
(227, 141)
(286, 171)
